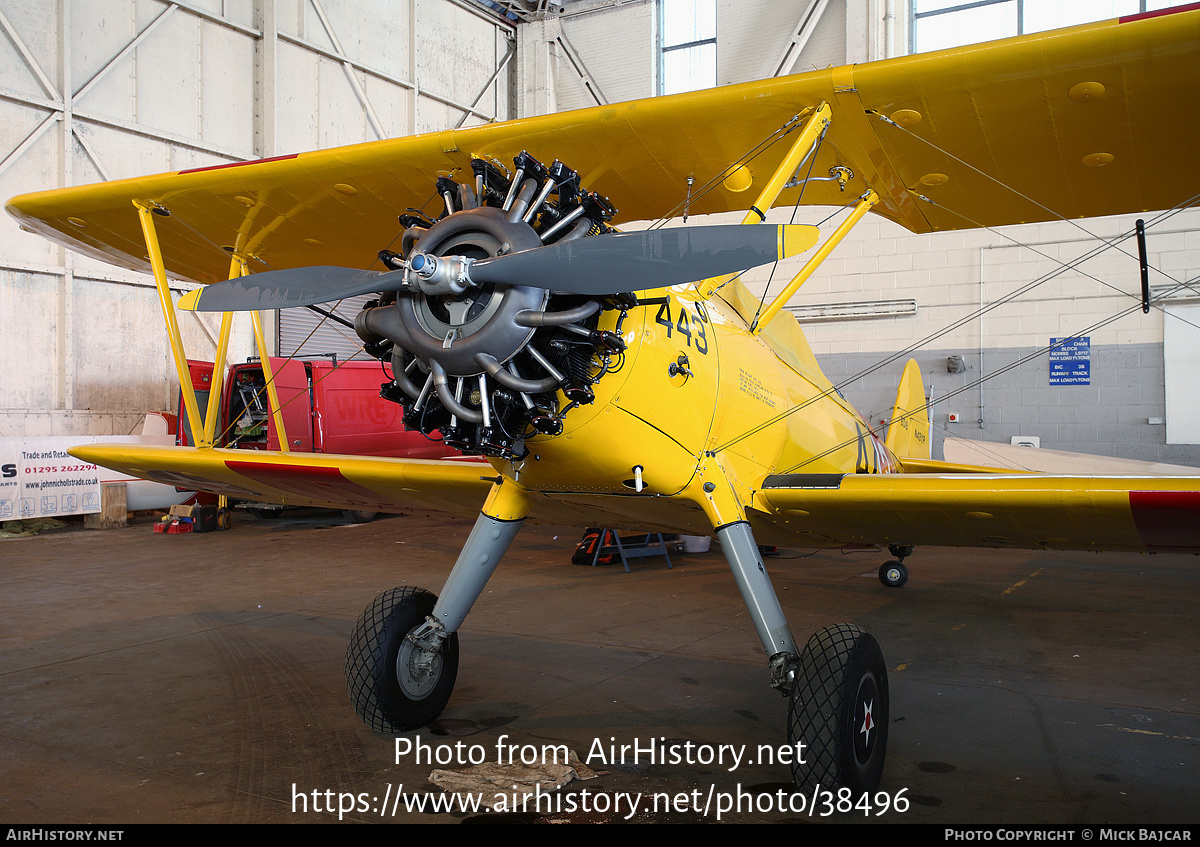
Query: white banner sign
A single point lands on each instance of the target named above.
(40, 479)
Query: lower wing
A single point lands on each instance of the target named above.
(1032, 511)
(305, 479)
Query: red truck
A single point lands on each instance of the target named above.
(327, 407)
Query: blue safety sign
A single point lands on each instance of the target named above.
(1071, 361)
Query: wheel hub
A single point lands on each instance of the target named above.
(417, 670)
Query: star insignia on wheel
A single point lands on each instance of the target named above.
(868, 722)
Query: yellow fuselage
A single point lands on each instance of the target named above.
(725, 417)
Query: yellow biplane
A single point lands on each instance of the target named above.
(629, 379)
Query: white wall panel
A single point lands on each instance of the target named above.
(15, 72)
(297, 98)
(29, 316)
(458, 51)
(374, 32)
(617, 47)
(36, 25)
(168, 84)
(17, 121)
(144, 380)
(37, 166)
(227, 89)
(197, 89)
(125, 154)
(391, 103)
(748, 46)
(340, 116)
(1182, 362)
(99, 31)
(239, 12)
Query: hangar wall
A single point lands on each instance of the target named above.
(946, 276)
(153, 86)
(107, 89)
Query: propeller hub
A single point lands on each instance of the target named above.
(447, 318)
(447, 275)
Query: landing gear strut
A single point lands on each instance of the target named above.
(837, 688)
(402, 661)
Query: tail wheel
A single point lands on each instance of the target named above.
(893, 574)
(839, 711)
(393, 684)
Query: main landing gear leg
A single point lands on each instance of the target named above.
(402, 660)
(837, 687)
(737, 542)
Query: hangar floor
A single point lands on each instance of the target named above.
(198, 678)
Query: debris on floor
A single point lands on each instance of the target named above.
(505, 785)
(23, 529)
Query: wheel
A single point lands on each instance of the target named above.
(265, 514)
(359, 516)
(839, 710)
(387, 686)
(893, 574)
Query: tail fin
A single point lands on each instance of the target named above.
(908, 431)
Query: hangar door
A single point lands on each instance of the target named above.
(306, 333)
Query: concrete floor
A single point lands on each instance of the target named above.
(198, 678)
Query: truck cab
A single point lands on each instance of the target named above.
(326, 407)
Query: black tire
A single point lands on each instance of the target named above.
(840, 678)
(266, 514)
(893, 574)
(386, 695)
(359, 516)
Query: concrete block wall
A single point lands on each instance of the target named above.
(954, 276)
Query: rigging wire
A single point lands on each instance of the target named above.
(811, 156)
(1003, 185)
(1012, 365)
(754, 152)
(1064, 266)
(1047, 256)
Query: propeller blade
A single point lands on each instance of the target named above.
(635, 261)
(602, 264)
(287, 288)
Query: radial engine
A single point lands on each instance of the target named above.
(490, 365)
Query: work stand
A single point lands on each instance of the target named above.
(634, 547)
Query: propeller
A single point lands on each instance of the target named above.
(596, 266)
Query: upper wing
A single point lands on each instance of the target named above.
(305, 479)
(1091, 120)
(1159, 514)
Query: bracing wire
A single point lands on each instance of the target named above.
(1064, 267)
(924, 410)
